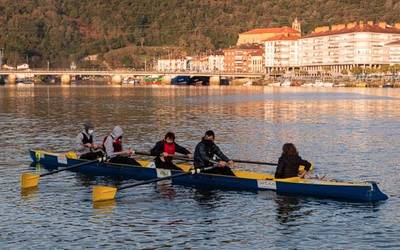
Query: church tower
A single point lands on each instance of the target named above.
(296, 25)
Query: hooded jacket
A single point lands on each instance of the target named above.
(288, 166)
(108, 143)
(204, 154)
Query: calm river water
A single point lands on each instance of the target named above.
(350, 134)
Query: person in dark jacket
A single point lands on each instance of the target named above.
(165, 149)
(204, 155)
(290, 162)
(86, 148)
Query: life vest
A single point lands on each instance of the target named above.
(117, 144)
(87, 139)
(169, 148)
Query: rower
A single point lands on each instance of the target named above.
(290, 162)
(165, 149)
(87, 149)
(204, 154)
(114, 150)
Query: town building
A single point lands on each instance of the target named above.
(334, 48)
(344, 46)
(198, 63)
(173, 65)
(394, 52)
(281, 53)
(257, 62)
(216, 61)
(241, 58)
(258, 36)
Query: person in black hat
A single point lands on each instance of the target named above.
(204, 156)
(87, 149)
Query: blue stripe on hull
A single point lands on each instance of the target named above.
(115, 170)
(217, 181)
(355, 193)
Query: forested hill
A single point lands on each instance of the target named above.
(60, 31)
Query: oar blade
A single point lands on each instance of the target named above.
(29, 180)
(103, 193)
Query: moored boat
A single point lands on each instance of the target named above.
(286, 83)
(243, 180)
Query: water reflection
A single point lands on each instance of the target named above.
(28, 193)
(347, 133)
(104, 207)
(288, 208)
(165, 190)
(206, 198)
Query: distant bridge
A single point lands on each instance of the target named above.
(117, 75)
(60, 72)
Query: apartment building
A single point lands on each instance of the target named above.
(241, 58)
(198, 63)
(216, 61)
(394, 52)
(172, 65)
(344, 46)
(281, 53)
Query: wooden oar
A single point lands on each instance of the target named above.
(29, 180)
(235, 160)
(104, 193)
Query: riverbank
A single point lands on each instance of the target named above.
(332, 82)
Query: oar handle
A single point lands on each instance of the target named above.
(143, 153)
(193, 171)
(69, 168)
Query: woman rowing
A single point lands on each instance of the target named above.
(165, 149)
(290, 162)
(87, 149)
(204, 154)
(114, 151)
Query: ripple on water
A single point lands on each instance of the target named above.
(347, 133)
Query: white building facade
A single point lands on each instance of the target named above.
(257, 63)
(281, 52)
(216, 62)
(172, 65)
(335, 48)
(394, 52)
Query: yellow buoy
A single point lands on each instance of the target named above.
(29, 180)
(103, 193)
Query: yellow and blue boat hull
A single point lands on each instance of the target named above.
(244, 180)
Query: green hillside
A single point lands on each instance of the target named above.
(60, 31)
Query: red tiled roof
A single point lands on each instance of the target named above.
(394, 43)
(284, 29)
(257, 53)
(375, 28)
(249, 46)
(283, 38)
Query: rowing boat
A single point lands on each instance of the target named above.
(243, 180)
